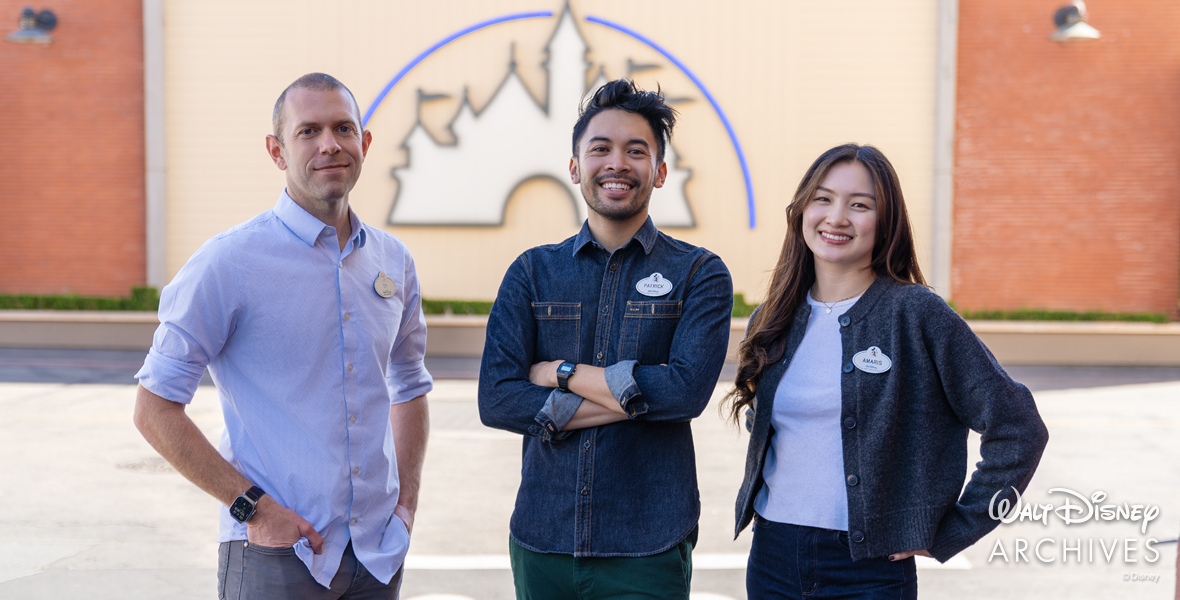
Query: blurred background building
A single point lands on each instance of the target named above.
(1036, 140)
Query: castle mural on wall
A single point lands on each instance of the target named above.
(514, 139)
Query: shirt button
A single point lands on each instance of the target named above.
(586, 444)
(585, 491)
(614, 266)
(847, 367)
(356, 470)
(349, 367)
(353, 419)
(605, 309)
(599, 356)
(340, 264)
(852, 480)
(857, 537)
(347, 316)
(849, 423)
(352, 522)
(844, 321)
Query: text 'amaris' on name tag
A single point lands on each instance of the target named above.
(872, 360)
(654, 285)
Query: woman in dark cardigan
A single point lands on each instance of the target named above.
(858, 386)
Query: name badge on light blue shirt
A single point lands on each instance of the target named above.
(872, 360)
(384, 286)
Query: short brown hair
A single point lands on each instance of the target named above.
(321, 82)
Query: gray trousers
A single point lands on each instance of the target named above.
(249, 571)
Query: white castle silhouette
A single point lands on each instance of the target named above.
(512, 140)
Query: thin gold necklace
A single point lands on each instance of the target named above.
(833, 304)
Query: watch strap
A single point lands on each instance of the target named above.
(254, 493)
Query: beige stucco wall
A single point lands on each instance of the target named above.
(794, 76)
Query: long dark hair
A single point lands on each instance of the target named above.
(893, 256)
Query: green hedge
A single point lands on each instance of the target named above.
(1029, 314)
(142, 298)
(456, 307)
(740, 308)
(148, 298)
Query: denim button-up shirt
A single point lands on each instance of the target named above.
(307, 359)
(627, 488)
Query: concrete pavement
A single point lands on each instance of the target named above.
(89, 511)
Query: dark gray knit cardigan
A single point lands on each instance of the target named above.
(905, 430)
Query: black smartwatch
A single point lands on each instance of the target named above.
(244, 506)
(564, 371)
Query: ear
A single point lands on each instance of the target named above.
(575, 177)
(366, 139)
(275, 149)
(661, 174)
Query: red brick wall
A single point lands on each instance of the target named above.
(1067, 165)
(72, 171)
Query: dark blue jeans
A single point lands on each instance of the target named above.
(793, 561)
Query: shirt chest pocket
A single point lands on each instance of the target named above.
(558, 330)
(648, 328)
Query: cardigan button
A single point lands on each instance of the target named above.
(857, 537)
(847, 367)
(844, 321)
(852, 480)
(849, 423)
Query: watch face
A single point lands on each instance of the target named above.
(241, 510)
(566, 368)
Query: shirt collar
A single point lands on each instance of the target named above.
(646, 236)
(306, 227)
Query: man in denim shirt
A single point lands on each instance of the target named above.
(600, 350)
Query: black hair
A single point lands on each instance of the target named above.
(320, 82)
(622, 94)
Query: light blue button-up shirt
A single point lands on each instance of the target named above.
(307, 359)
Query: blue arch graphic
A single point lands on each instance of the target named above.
(737, 146)
(443, 42)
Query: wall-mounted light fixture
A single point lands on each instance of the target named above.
(1072, 26)
(34, 27)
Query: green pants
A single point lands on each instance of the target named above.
(663, 576)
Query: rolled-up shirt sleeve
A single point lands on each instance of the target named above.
(620, 380)
(197, 312)
(407, 377)
(559, 409)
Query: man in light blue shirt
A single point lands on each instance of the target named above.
(310, 323)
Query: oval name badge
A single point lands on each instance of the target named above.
(653, 285)
(872, 360)
(384, 286)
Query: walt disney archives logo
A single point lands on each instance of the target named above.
(1076, 508)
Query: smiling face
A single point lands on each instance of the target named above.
(322, 146)
(840, 219)
(616, 165)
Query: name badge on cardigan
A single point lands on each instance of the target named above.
(872, 360)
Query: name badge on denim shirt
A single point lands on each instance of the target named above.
(872, 360)
(384, 286)
(653, 285)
